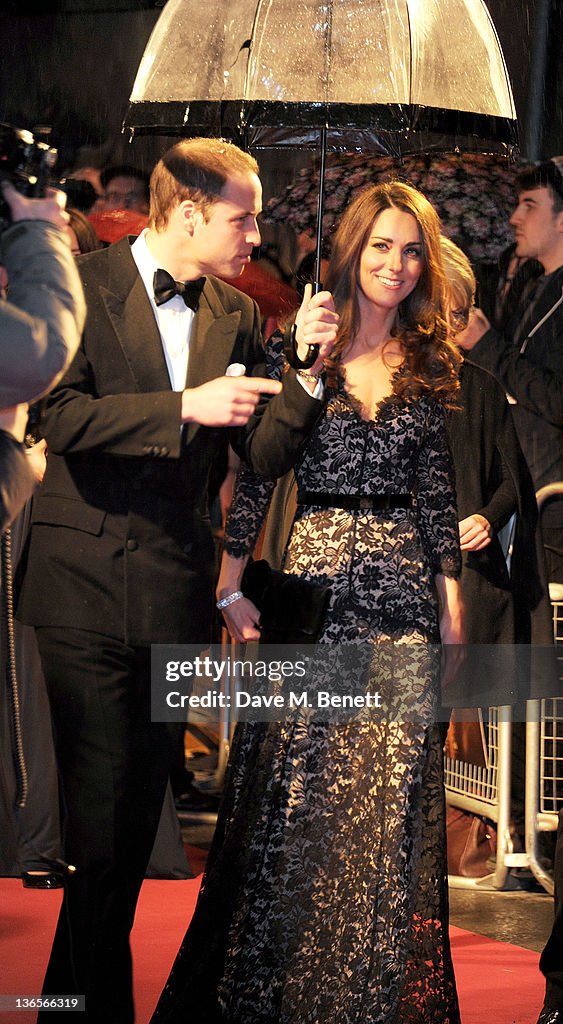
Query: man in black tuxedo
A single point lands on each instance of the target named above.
(121, 552)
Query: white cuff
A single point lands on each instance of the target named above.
(319, 389)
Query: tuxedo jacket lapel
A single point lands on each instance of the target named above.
(213, 337)
(212, 341)
(214, 331)
(132, 318)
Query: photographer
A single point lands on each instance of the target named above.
(40, 327)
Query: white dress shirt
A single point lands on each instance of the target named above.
(174, 319)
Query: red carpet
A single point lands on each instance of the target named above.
(497, 983)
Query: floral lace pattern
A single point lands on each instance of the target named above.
(473, 194)
(325, 896)
(325, 893)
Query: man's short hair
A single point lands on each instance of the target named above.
(196, 169)
(548, 174)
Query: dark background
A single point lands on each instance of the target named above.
(70, 64)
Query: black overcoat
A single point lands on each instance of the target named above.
(501, 607)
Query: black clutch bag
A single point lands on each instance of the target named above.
(292, 608)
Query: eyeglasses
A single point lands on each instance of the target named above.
(125, 199)
(459, 318)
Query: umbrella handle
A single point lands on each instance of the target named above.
(290, 343)
(290, 351)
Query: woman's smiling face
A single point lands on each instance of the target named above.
(392, 260)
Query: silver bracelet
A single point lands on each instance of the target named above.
(309, 378)
(230, 599)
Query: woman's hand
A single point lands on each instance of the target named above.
(475, 532)
(242, 620)
(451, 627)
(317, 324)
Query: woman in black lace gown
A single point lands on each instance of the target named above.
(325, 896)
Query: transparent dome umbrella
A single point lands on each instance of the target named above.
(379, 76)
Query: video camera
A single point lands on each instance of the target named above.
(25, 161)
(29, 163)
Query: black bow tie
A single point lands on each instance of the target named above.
(165, 288)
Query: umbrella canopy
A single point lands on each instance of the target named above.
(473, 193)
(395, 76)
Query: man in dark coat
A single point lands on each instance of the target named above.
(527, 359)
(527, 356)
(121, 552)
(505, 604)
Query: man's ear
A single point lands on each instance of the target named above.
(190, 214)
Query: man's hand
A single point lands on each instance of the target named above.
(37, 459)
(226, 401)
(476, 328)
(51, 208)
(317, 324)
(14, 421)
(474, 533)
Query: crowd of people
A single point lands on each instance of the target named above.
(408, 455)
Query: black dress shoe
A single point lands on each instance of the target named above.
(41, 880)
(549, 1016)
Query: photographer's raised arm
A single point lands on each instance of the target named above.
(41, 323)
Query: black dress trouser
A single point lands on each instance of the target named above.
(113, 767)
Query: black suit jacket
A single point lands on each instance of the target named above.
(120, 539)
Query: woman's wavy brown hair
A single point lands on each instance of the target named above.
(432, 360)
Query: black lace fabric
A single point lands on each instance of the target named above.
(252, 494)
(325, 895)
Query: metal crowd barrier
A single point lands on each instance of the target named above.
(485, 791)
(226, 724)
(544, 741)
